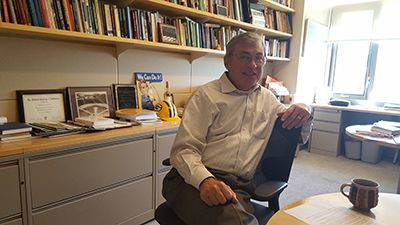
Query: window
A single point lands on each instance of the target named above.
(386, 82)
(349, 68)
(364, 46)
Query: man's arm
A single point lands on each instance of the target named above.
(188, 147)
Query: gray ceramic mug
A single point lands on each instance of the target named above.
(363, 193)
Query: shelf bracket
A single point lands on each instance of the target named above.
(195, 55)
(121, 48)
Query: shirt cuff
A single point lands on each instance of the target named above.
(199, 176)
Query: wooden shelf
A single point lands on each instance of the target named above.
(276, 6)
(280, 59)
(173, 9)
(18, 30)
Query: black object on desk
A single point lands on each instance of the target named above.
(339, 102)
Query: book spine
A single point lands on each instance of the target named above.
(32, 10)
(128, 22)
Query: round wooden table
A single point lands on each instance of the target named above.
(357, 132)
(386, 212)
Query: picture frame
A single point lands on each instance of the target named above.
(44, 105)
(92, 101)
(125, 96)
(168, 34)
(221, 10)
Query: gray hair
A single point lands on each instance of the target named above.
(250, 37)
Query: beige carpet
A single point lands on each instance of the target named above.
(314, 174)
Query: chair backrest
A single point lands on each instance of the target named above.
(276, 162)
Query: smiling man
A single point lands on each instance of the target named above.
(226, 126)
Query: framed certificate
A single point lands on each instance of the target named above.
(41, 105)
(94, 101)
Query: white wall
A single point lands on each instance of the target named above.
(42, 64)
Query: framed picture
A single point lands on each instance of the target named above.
(168, 34)
(221, 10)
(42, 105)
(125, 96)
(91, 101)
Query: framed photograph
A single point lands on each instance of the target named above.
(91, 101)
(168, 34)
(125, 96)
(221, 10)
(42, 105)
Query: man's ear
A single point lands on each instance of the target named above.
(227, 62)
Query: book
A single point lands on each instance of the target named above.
(94, 121)
(16, 136)
(149, 88)
(14, 127)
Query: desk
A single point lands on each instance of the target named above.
(330, 123)
(386, 212)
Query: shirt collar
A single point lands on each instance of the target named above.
(227, 86)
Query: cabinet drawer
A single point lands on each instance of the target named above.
(326, 126)
(159, 198)
(13, 222)
(59, 177)
(165, 143)
(113, 206)
(327, 115)
(10, 202)
(324, 141)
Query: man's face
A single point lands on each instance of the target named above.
(245, 65)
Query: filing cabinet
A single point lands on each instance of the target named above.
(325, 135)
(10, 194)
(165, 141)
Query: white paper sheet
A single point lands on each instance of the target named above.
(328, 214)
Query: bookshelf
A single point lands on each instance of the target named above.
(276, 6)
(164, 7)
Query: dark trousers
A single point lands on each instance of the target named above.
(185, 200)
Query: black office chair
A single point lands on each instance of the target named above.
(269, 181)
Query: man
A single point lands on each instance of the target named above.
(225, 128)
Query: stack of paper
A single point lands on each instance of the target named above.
(386, 127)
(138, 115)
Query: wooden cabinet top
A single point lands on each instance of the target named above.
(38, 145)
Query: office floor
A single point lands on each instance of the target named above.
(314, 174)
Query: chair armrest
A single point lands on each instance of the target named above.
(267, 190)
(166, 162)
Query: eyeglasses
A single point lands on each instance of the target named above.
(247, 58)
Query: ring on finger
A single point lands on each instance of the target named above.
(299, 117)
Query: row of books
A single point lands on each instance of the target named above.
(288, 3)
(269, 18)
(229, 8)
(101, 17)
(277, 48)
(278, 20)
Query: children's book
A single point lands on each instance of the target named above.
(149, 87)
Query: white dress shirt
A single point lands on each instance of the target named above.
(224, 128)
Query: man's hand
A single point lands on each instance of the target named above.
(214, 192)
(295, 116)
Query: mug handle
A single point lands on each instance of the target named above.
(342, 187)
